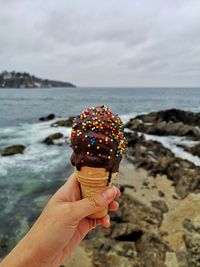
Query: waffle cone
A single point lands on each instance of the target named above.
(93, 181)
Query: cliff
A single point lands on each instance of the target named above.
(25, 80)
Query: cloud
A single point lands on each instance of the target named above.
(93, 42)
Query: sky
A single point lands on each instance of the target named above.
(103, 42)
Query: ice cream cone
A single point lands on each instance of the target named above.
(93, 181)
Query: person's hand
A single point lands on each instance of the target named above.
(61, 226)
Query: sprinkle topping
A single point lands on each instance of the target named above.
(97, 138)
(104, 126)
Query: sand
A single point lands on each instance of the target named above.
(179, 209)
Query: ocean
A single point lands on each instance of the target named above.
(28, 180)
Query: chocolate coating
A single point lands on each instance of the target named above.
(97, 139)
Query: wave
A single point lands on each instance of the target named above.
(41, 159)
(126, 117)
(38, 157)
(172, 143)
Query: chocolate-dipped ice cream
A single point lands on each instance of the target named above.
(97, 139)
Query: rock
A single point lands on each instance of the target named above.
(195, 150)
(175, 197)
(192, 242)
(181, 259)
(134, 238)
(48, 117)
(132, 138)
(152, 249)
(157, 159)
(168, 122)
(171, 260)
(146, 183)
(160, 205)
(161, 193)
(12, 150)
(187, 224)
(172, 115)
(50, 139)
(164, 128)
(126, 232)
(63, 123)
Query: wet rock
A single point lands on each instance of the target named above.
(63, 123)
(133, 138)
(47, 118)
(160, 205)
(50, 139)
(157, 159)
(195, 150)
(12, 150)
(172, 115)
(164, 129)
(168, 122)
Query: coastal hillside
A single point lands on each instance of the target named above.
(25, 80)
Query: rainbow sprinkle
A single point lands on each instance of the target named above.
(103, 126)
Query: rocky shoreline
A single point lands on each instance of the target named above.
(158, 223)
(158, 220)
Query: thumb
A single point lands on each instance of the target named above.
(87, 206)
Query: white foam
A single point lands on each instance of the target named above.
(37, 156)
(126, 117)
(171, 142)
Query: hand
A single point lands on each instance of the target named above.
(61, 226)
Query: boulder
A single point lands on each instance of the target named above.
(47, 118)
(12, 150)
(126, 232)
(172, 115)
(50, 139)
(63, 123)
(195, 150)
(164, 128)
(157, 159)
(167, 122)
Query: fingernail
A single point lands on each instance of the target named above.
(108, 220)
(109, 193)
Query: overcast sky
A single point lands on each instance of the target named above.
(103, 42)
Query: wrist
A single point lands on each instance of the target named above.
(28, 252)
